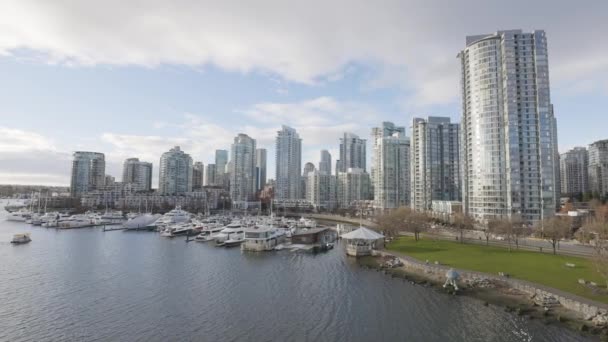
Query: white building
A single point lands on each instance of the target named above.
(598, 167)
(352, 187)
(175, 172)
(88, 172)
(435, 167)
(243, 167)
(391, 167)
(320, 190)
(137, 172)
(509, 147)
(288, 164)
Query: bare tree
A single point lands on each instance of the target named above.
(595, 232)
(554, 229)
(510, 228)
(403, 219)
(463, 222)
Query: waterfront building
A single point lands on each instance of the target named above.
(598, 168)
(352, 152)
(288, 164)
(175, 172)
(198, 173)
(260, 168)
(509, 142)
(210, 175)
(574, 171)
(108, 196)
(445, 210)
(325, 162)
(308, 168)
(352, 187)
(320, 190)
(391, 167)
(435, 167)
(88, 172)
(137, 172)
(242, 169)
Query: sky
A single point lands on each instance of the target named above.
(133, 79)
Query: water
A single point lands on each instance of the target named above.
(90, 285)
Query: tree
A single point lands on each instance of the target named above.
(463, 222)
(510, 228)
(554, 229)
(595, 232)
(403, 219)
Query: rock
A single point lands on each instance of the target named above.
(583, 327)
(582, 281)
(569, 264)
(600, 320)
(486, 304)
(593, 284)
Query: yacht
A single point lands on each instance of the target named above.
(110, 217)
(178, 229)
(176, 215)
(21, 215)
(141, 222)
(263, 238)
(76, 221)
(230, 232)
(21, 238)
(209, 233)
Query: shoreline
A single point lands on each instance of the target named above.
(491, 292)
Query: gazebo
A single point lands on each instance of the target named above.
(362, 241)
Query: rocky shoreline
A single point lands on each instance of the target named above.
(494, 292)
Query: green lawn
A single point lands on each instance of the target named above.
(546, 269)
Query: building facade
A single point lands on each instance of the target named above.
(243, 169)
(175, 172)
(88, 172)
(352, 187)
(598, 168)
(137, 172)
(320, 190)
(435, 166)
(391, 168)
(325, 162)
(352, 152)
(574, 171)
(288, 164)
(198, 175)
(260, 168)
(221, 168)
(509, 145)
(210, 175)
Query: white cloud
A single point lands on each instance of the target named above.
(16, 140)
(304, 42)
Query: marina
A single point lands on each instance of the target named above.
(138, 286)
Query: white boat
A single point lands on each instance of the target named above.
(21, 238)
(209, 233)
(110, 217)
(141, 222)
(262, 238)
(176, 215)
(76, 221)
(233, 231)
(21, 215)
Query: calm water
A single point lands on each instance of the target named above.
(90, 285)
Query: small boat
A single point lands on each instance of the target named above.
(21, 215)
(21, 238)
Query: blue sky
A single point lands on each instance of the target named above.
(134, 81)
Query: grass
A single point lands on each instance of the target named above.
(545, 269)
